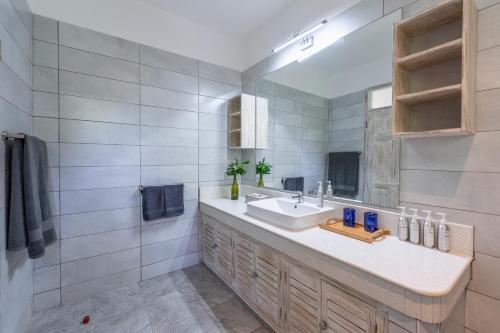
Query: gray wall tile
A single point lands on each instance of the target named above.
(81, 108)
(221, 74)
(169, 249)
(167, 266)
(213, 139)
(155, 116)
(161, 78)
(44, 29)
(80, 291)
(158, 136)
(51, 257)
(169, 155)
(45, 79)
(13, 23)
(217, 89)
(45, 104)
(94, 87)
(46, 300)
(82, 178)
(213, 155)
(168, 99)
(170, 61)
(213, 122)
(14, 57)
(45, 54)
(14, 90)
(100, 266)
(99, 199)
(99, 155)
(46, 278)
(88, 40)
(84, 62)
(74, 131)
(213, 105)
(82, 224)
(162, 232)
(46, 129)
(154, 175)
(103, 243)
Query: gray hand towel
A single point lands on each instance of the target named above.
(294, 184)
(29, 210)
(174, 200)
(153, 203)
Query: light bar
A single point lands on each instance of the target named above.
(296, 38)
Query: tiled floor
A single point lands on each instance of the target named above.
(188, 301)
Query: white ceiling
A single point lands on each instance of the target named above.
(235, 18)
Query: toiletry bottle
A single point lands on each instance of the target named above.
(415, 227)
(443, 234)
(329, 190)
(403, 225)
(429, 230)
(319, 199)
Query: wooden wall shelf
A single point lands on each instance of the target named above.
(434, 71)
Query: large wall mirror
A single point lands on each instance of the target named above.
(328, 119)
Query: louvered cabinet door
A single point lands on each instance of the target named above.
(224, 253)
(344, 313)
(209, 244)
(244, 268)
(268, 293)
(303, 295)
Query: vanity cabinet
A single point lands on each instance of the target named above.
(289, 297)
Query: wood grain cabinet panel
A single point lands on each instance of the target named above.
(344, 313)
(208, 247)
(224, 253)
(268, 292)
(244, 268)
(303, 301)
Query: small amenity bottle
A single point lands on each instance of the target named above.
(443, 234)
(329, 190)
(403, 225)
(429, 230)
(415, 228)
(319, 199)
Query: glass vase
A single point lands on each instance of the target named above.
(234, 189)
(261, 181)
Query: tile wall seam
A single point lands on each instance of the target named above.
(173, 258)
(96, 255)
(100, 277)
(140, 161)
(95, 76)
(17, 44)
(12, 71)
(172, 239)
(18, 109)
(59, 144)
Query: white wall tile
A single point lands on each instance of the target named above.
(98, 155)
(82, 178)
(99, 199)
(151, 155)
(160, 136)
(482, 313)
(170, 61)
(170, 265)
(74, 131)
(161, 78)
(155, 116)
(153, 96)
(47, 278)
(162, 232)
(169, 249)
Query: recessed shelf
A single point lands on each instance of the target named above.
(432, 18)
(430, 95)
(439, 132)
(432, 56)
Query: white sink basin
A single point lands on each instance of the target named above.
(288, 214)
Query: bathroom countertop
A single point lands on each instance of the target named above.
(424, 271)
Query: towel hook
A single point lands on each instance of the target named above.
(141, 188)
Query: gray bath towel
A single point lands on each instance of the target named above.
(30, 214)
(153, 203)
(174, 200)
(162, 201)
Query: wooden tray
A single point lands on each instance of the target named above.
(357, 232)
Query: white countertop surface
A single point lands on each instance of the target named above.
(424, 271)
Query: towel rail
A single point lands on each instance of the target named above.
(6, 135)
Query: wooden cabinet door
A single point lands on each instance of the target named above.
(303, 301)
(268, 293)
(224, 253)
(208, 248)
(244, 268)
(344, 313)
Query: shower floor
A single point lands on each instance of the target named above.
(188, 301)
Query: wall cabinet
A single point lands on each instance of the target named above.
(287, 296)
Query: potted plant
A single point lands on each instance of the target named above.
(236, 168)
(262, 168)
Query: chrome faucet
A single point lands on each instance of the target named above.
(299, 197)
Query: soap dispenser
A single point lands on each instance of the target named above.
(403, 225)
(319, 198)
(415, 228)
(429, 230)
(443, 234)
(329, 190)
